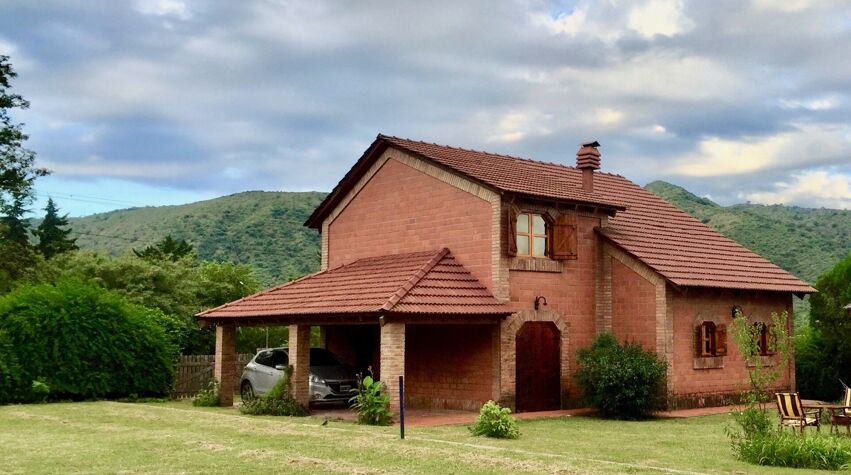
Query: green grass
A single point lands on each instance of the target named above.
(174, 437)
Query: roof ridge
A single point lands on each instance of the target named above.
(484, 152)
(412, 281)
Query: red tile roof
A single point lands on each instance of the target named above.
(430, 282)
(679, 247)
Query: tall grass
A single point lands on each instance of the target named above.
(784, 449)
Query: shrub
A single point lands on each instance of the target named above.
(784, 449)
(84, 341)
(40, 390)
(752, 420)
(372, 406)
(816, 373)
(277, 402)
(495, 421)
(621, 381)
(209, 396)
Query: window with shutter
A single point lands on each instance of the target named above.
(564, 238)
(710, 340)
(511, 228)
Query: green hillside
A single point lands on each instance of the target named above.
(256, 227)
(803, 241)
(265, 229)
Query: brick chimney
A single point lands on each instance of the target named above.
(588, 160)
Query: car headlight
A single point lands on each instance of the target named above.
(316, 379)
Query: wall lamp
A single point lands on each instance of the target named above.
(538, 300)
(736, 308)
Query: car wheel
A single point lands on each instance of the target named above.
(247, 391)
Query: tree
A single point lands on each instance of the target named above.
(52, 238)
(17, 175)
(166, 249)
(827, 346)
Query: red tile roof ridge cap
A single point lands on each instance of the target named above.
(414, 280)
(503, 155)
(262, 292)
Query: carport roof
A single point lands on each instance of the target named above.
(421, 283)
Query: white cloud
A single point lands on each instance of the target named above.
(611, 21)
(98, 166)
(517, 125)
(607, 116)
(805, 144)
(164, 8)
(816, 188)
(788, 6)
(659, 17)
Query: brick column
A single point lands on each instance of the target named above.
(392, 361)
(299, 359)
(224, 365)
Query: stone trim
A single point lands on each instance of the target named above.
(499, 273)
(708, 362)
(531, 264)
(508, 353)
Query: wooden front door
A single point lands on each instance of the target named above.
(538, 367)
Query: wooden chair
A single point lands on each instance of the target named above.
(842, 416)
(792, 413)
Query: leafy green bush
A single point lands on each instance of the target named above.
(621, 381)
(84, 341)
(785, 449)
(40, 390)
(753, 421)
(277, 402)
(207, 397)
(372, 406)
(495, 421)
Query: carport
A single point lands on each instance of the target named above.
(427, 314)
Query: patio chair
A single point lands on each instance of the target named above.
(842, 416)
(792, 413)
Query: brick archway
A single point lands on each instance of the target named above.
(508, 352)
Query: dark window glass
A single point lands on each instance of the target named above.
(265, 358)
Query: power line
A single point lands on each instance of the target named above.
(89, 198)
(142, 241)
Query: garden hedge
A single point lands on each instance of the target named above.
(83, 341)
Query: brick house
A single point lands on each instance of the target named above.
(477, 276)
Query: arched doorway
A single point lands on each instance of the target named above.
(538, 373)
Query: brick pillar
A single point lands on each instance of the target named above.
(224, 365)
(299, 359)
(392, 361)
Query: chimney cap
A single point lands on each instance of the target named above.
(588, 157)
(594, 144)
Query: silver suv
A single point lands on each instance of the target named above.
(330, 380)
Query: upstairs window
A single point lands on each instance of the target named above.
(531, 232)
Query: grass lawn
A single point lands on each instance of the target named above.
(174, 437)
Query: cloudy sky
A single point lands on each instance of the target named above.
(171, 101)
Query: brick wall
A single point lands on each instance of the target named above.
(633, 306)
(697, 387)
(448, 366)
(392, 360)
(401, 209)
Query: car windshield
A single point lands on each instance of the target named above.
(322, 357)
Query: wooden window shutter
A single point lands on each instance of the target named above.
(564, 239)
(511, 230)
(721, 340)
(698, 340)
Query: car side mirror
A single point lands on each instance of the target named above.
(280, 367)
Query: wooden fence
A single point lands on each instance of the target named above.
(195, 371)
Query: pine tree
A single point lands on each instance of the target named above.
(17, 176)
(167, 248)
(52, 238)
